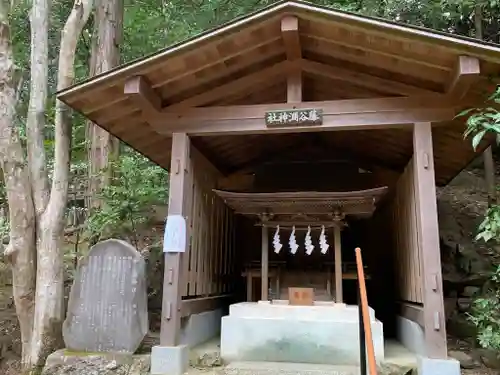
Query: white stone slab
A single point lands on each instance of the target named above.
(320, 311)
(322, 335)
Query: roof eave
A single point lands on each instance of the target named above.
(488, 51)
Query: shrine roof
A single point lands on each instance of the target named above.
(343, 56)
(303, 205)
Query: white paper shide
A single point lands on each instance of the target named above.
(174, 240)
(308, 242)
(276, 240)
(323, 245)
(292, 242)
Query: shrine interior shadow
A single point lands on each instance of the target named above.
(344, 162)
(317, 269)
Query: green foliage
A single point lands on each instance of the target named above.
(482, 121)
(486, 315)
(485, 312)
(489, 229)
(136, 186)
(4, 228)
(150, 25)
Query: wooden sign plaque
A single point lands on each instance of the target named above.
(295, 117)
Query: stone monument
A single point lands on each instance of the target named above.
(107, 308)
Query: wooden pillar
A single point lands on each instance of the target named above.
(329, 282)
(338, 266)
(177, 205)
(428, 235)
(278, 284)
(265, 264)
(249, 286)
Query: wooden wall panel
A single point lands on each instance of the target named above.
(406, 243)
(208, 266)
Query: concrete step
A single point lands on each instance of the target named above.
(286, 368)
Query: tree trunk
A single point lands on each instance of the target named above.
(35, 122)
(104, 147)
(21, 250)
(92, 177)
(49, 307)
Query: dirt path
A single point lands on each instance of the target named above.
(10, 340)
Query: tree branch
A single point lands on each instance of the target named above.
(69, 40)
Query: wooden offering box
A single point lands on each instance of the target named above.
(301, 296)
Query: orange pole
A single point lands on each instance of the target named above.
(372, 365)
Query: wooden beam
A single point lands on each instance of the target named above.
(265, 60)
(236, 182)
(428, 235)
(103, 104)
(294, 86)
(467, 71)
(365, 208)
(245, 47)
(362, 79)
(382, 120)
(274, 44)
(136, 119)
(275, 154)
(111, 116)
(291, 37)
(351, 54)
(412, 312)
(377, 50)
(347, 106)
(212, 158)
(199, 305)
(272, 93)
(337, 115)
(177, 205)
(333, 89)
(139, 90)
(355, 156)
(323, 149)
(266, 76)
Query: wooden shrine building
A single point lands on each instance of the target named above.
(303, 117)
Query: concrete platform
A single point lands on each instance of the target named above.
(274, 368)
(320, 311)
(321, 334)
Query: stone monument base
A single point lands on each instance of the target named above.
(325, 333)
(65, 362)
(169, 360)
(429, 366)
